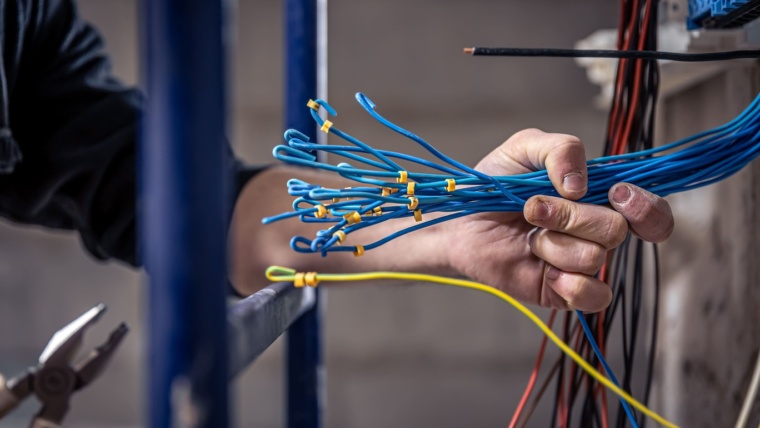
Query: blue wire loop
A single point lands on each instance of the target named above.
(696, 161)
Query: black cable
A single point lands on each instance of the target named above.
(603, 53)
(653, 334)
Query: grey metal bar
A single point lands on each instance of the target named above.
(258, 320)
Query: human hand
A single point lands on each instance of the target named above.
(549, 254)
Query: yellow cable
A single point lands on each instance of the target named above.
(277, 273)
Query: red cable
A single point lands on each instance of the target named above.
(533, 376)
(615, 127)
(637, 75)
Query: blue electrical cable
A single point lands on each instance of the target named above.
(607, 369)
(457, 190)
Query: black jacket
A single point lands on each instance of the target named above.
(68, 129)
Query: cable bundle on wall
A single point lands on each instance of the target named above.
(630, 129)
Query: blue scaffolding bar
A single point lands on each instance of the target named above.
(304, 347)
(184, 169)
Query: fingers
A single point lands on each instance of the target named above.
(578, 291)
(592, 223)
(568, 253)
(563, 156)
(648, 215)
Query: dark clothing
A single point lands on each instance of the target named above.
(68, 129)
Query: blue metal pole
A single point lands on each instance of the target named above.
(184, 165)
(303, 348)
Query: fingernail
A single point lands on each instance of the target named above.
(574, 182)
(552, 273)
(541, 211)
(621, 195)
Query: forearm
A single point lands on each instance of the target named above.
(255, 246)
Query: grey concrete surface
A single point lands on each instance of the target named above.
(396, 355)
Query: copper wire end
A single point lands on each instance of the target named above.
(469, 50)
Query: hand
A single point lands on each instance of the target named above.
(549, 254)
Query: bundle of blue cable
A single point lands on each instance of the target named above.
(387, 191)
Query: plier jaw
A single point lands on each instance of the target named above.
(55, 378)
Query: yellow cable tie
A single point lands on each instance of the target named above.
(326, 126)
(321, 211)
(359, 251)
(353, 218)
(298, 279)
(403, 177)
(310, 278)
(410, 188)
(313, 105)
(451, 184)
(378, 211)
(386, 191)
(413, 202)
(341, 236)
(417, 215)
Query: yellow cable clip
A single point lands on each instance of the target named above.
(378, 211)
(341, 236)
(451, 184)
(413, 202)
(359, 251)
(298, 280)
(321, 211)
(311, 279)
(410, 188)
(326, 126)
(313, 105)
(353, 218)
(417, 215)
(403, 177)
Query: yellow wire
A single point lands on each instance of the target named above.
(277, 273)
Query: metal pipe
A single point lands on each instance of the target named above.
(183, 222)
(258, 320)
(304, 366)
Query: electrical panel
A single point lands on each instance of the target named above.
(722, 13)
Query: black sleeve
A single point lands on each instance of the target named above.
(76, 127)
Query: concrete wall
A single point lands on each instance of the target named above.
(396, 355)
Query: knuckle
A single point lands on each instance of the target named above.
(525, 133)
(573, 290)
(563, 216)
(617, 230)
(591, 258)
(563, 144)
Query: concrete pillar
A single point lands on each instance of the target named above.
(709, 332)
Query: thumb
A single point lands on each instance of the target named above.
(648, 215)
(563, 157)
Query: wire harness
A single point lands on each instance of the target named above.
(386, 191)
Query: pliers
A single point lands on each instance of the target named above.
(55, 379)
